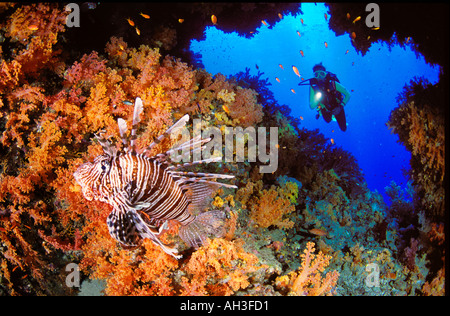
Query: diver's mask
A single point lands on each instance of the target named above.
(320, 74)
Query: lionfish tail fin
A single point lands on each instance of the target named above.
(208, 224)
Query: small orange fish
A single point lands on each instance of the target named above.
(356, 20)
(214, 19)
(138, 32)
(280, 15)
(326, 17)
(346, 52)
(318, 232)
(301, 117)
(326, 44)
(33, 27)
(277, 79)
(131, 22)
(391, 275)
(264, 22)
(225, 108)
(408, 39)
(301, 20)
(281, 66)
(353, 35)
(295, 69)
(145, 16)
(375, 28)
(348, 16)
(293, 91)
(332, 141)
(298, 33)
(301, 53)
(180, 20)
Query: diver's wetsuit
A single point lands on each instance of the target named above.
(332, 99)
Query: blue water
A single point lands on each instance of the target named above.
(376, 79)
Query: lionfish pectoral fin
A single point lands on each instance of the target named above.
(122, 228)
(152, 235)
(152, 232)
(198, 194)
(207, 224)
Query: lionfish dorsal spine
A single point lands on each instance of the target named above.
(107, 146)
(179, 165)
(123, 131)
(174, 128)
(138, 109)
(195, 144)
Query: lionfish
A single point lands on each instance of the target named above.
(148, 192)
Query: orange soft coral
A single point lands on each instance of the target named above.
(421, 129)
(271, 206)
(9, 74)
(220, 267)
(47, 134)
(37, 26)
(232, 104)
(308, 280)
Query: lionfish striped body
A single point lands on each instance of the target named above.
(147, 192)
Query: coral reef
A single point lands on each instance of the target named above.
(419, 123)
(308, 280)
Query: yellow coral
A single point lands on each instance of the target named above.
(226, 96)
(218, 202)
(270, 208)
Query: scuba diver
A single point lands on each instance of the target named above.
(328, 96)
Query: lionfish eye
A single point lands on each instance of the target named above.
(103, 165)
